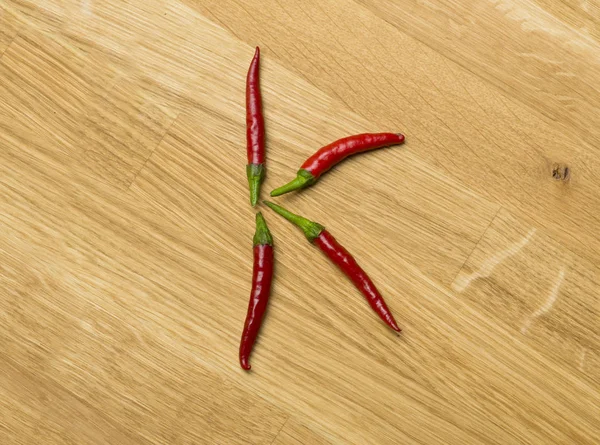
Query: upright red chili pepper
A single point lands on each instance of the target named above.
(255, 130)
(332, 154)
(262, 275)
(316, 233)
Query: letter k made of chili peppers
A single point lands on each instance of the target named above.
(334, 153)
(317, 234)
(255, 130)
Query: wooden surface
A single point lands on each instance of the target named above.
(125, 229)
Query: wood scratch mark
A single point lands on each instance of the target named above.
(585, 5)
(486, 269)
(86, 7)
(545, 308)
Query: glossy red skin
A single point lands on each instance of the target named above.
(255, 123)
(330, 155)
(262, 276)
(342, 258)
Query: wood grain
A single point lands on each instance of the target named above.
(38, 410)
(125, 229)
(9, 26)
(545, 293)
(295, 433)
(410, 66)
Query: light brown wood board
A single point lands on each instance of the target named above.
(125, 228)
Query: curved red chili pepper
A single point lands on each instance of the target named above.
(316, 233)
(255, 130)
(342, 258)
(262, 275)
(332, 154)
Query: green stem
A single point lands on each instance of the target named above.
(310, 228)
(304, 179)
(262, 234)
(256, 175)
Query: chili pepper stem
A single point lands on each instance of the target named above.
(304, 179)
(256, 175)
(310, 228)
(262, 234)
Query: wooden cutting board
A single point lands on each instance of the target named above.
(125, 228)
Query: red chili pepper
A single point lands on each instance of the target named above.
(255, 130)
(262, 275)
(332, 154)
(316, 233)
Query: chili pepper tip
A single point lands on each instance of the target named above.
(402, 138)
(392, 324)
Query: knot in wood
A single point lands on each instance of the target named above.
(561, 172)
